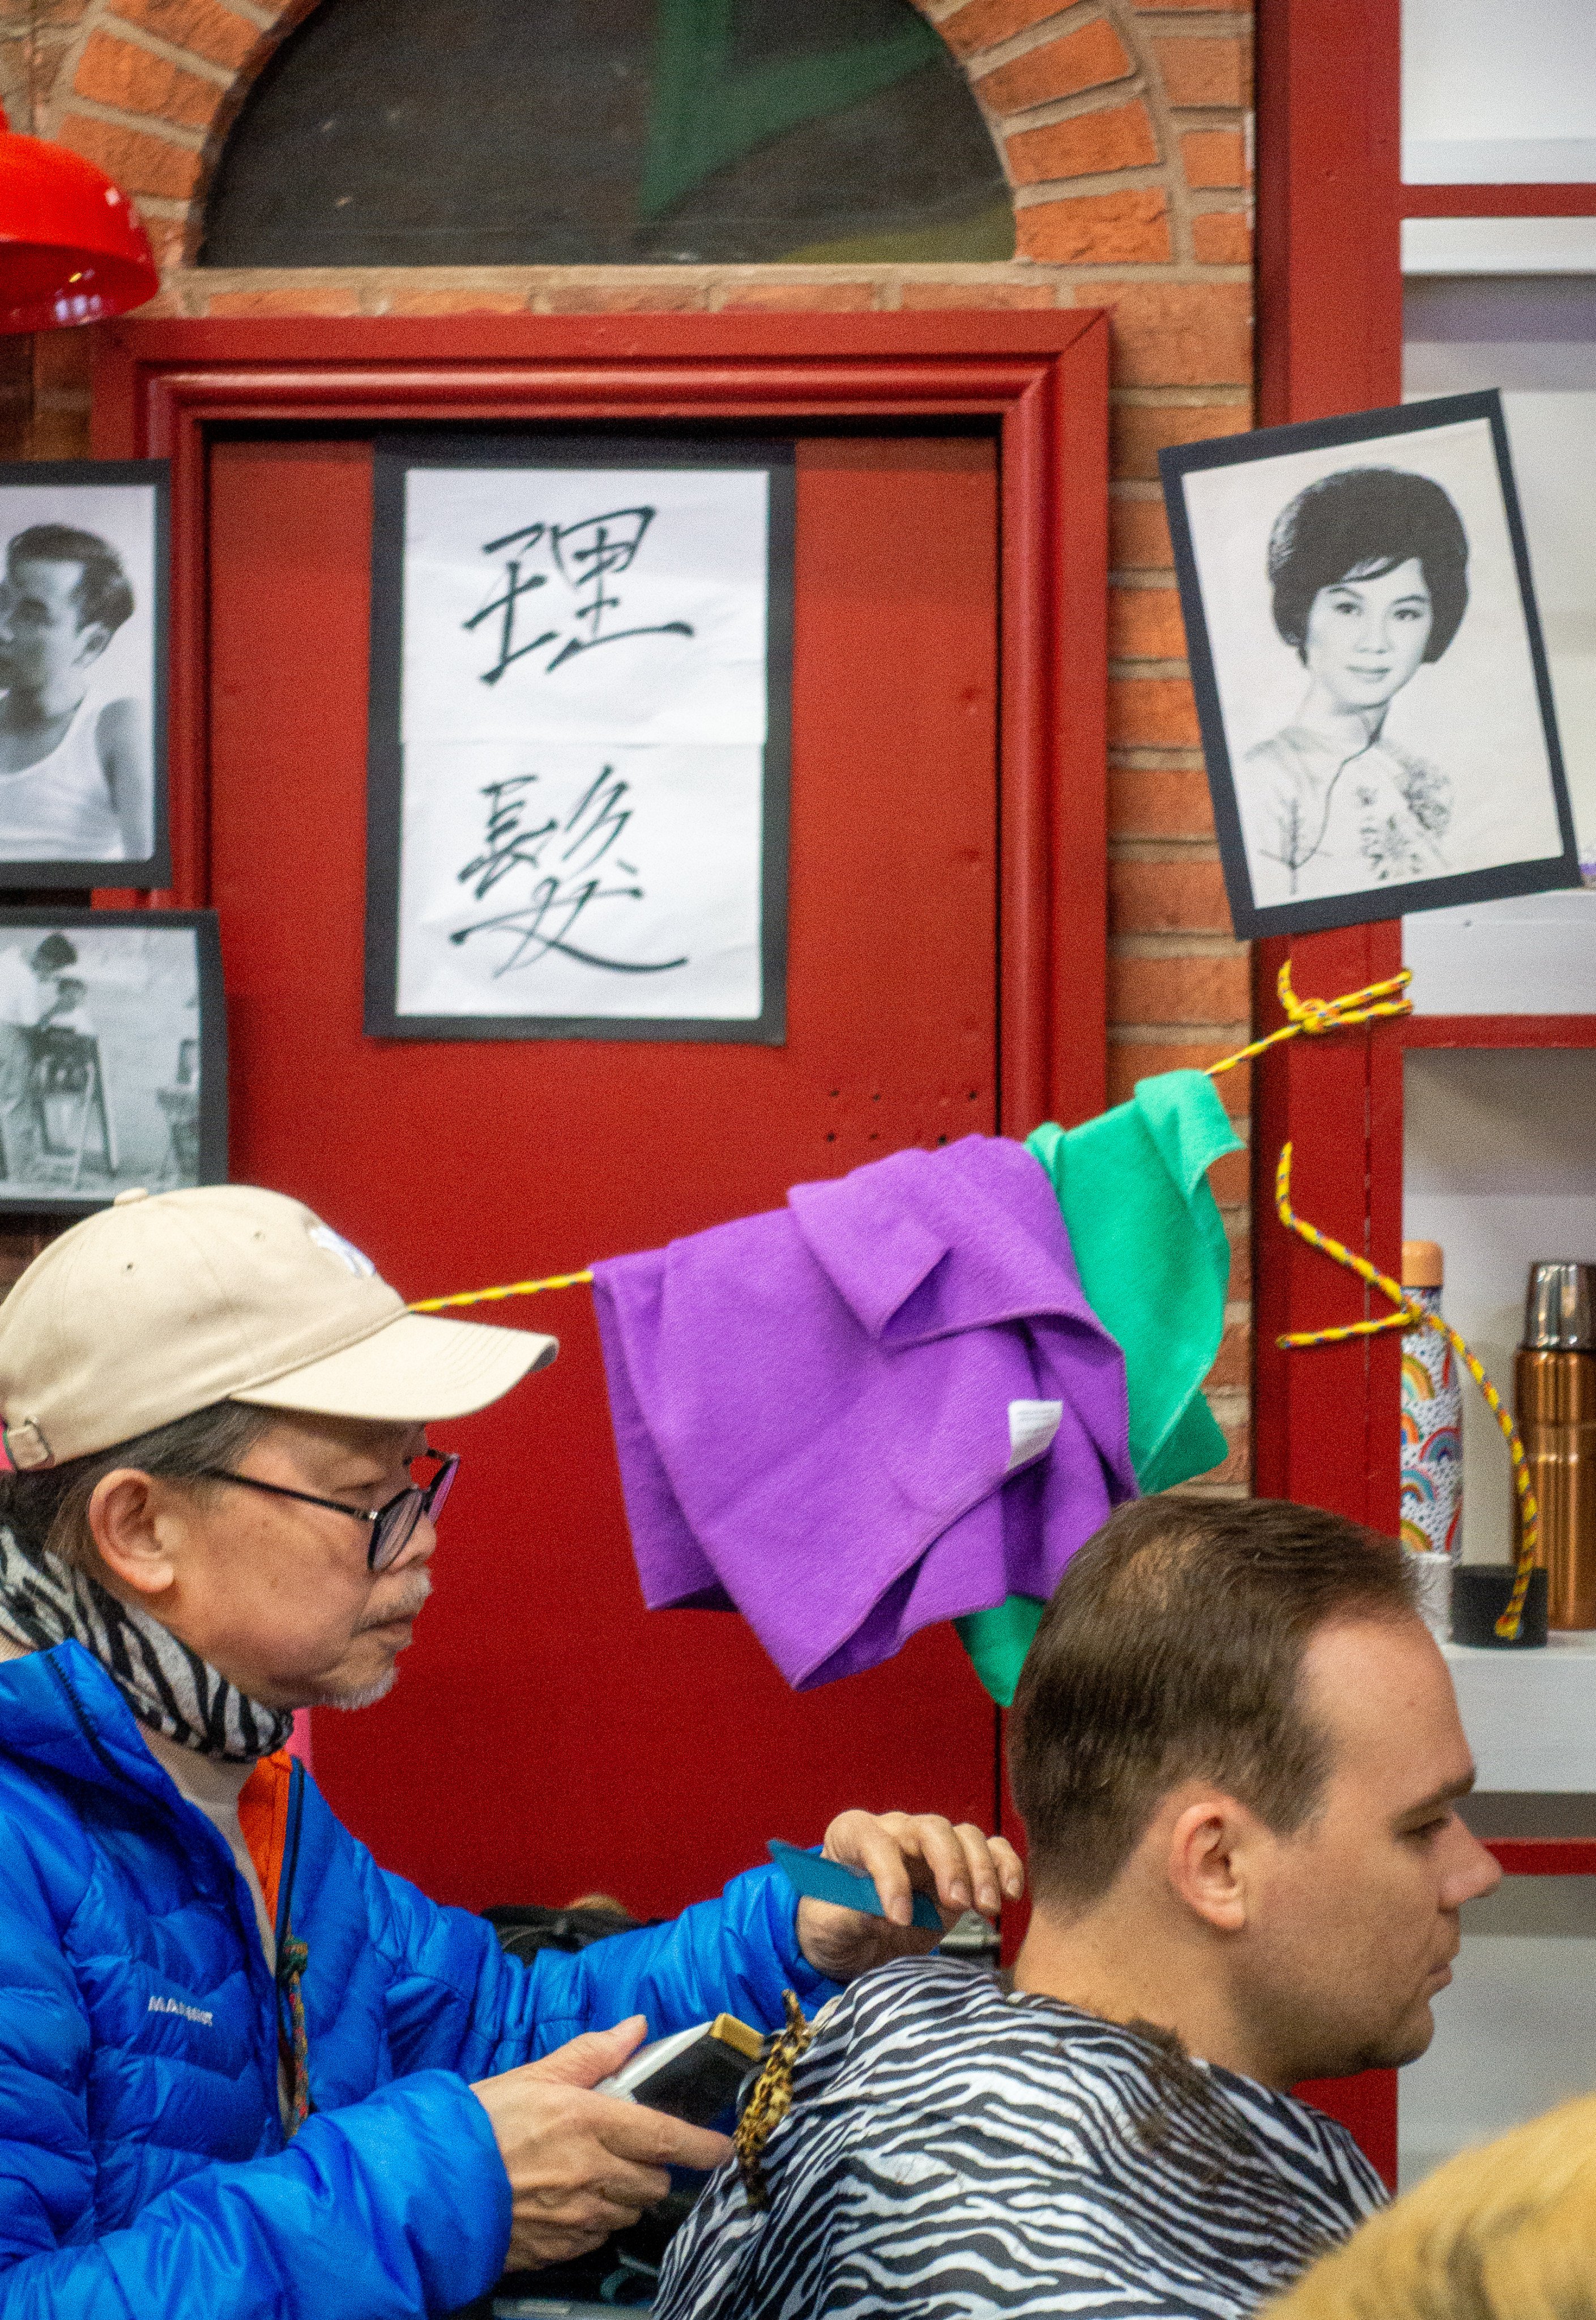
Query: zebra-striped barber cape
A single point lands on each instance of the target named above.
(952, 2151)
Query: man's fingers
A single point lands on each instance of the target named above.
(584, 2061)
(948, 1861)
(981, 1869)
(649, 2138)
(1011, 1867)
(878, 1847)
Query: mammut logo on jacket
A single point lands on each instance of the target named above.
(175, 2006)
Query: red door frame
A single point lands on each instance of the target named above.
(160, 385)
(1329, 339)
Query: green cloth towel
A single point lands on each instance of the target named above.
(1149, 1246)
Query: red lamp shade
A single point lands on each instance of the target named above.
(71, 246)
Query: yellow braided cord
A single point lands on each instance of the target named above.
(1409, 1316)
(1316, 1015)
(1310, 1015)
(509, 1288)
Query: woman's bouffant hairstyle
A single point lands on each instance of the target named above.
(1355, 526)
(1504, 2232)
(1172, 1649)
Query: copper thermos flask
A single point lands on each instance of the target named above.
(1554, 1378)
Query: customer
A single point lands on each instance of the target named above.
(1504, 2232)
(1236, 1752)
(243, 2072)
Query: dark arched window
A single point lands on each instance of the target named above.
(581, 133)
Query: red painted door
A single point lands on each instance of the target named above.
(547, 1735)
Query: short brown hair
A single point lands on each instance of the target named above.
(1171, 1649)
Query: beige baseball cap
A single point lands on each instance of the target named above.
(165, 1302)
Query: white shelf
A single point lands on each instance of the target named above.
(1530, 1717)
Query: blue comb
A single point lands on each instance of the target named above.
(845, 1889)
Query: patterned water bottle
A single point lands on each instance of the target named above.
(1432, 1438)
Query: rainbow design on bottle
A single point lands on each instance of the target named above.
(1432, 1439)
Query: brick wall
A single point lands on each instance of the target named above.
(1125, 127)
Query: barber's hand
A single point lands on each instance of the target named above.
(903, 1854)
(582, 2165)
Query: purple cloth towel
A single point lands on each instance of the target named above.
(822, 1412)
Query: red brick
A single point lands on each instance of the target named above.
(1138, 536)
(1137, 1059)
(926, 295)
(1235, 1358)
(1117, 137)
(1144, 624)
(1096, 229)
(801, 298)
(280, 301)
(1162, 804)
(457, 302)
(1208, 71)
(1241, 1256)
(1083, 59)
(1151, 898)
(1178, 991)
(983, 23)
(1138, 434)
(1180, 333)
(1221, 238)
(139, 164)
(62, 366)
(168, 241)
(115, 72)
(170, 304)
(1229, 1180)
(1214, 157)
(1152, 713)
(626, 298)
(201, 26)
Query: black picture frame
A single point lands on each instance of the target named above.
(34, 1197)
(397, 455)
(1365, 432)
(26, 483)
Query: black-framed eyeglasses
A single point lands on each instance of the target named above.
(393, 1524)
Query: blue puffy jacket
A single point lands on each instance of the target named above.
(143, 2170)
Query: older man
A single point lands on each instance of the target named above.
(1236, 1753)
(244, 2072)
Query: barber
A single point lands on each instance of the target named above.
(243, 2070)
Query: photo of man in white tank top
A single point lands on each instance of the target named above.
(75, 773)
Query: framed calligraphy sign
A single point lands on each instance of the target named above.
(581, 674)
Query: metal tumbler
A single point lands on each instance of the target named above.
(1554, 1377)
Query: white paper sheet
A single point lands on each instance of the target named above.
(584, 719)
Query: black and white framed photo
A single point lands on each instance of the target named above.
(580, 737)
(113, 1056)
(1371, 681)
(83, 674)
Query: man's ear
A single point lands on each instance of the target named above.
(1210, 1849)
(92, 642)
(125, 1517)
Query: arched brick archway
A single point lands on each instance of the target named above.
(1123, 125)
(1121, 130)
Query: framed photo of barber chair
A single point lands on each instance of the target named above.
(112, 1056)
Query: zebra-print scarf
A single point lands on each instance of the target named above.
(43, 1600)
